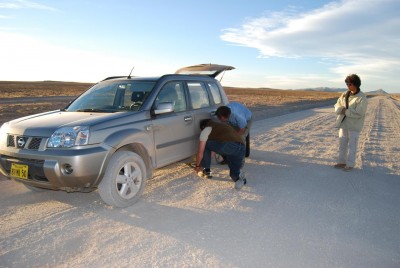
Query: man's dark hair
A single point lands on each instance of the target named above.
(353, 79)
(203, 123)
(224, 111)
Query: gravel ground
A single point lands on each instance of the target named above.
(295, 211)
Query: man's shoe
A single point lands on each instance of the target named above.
(339, 165)
(240, 182)
(346, 168)
(207, 174)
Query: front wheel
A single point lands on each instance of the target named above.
(124, 180)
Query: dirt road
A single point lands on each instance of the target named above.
(296, 211)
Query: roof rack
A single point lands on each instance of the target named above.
(114, 77)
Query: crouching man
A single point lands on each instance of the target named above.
(224, 140)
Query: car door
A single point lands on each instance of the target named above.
(174, 132)
(200, 101)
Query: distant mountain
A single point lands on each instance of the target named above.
(378, 92)
(325, 89)
(330, 89)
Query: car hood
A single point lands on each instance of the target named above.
(44, 124)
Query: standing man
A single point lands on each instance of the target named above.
(222, 139)
(238, 116)
(350, 108)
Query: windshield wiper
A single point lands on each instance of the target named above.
(95, 110)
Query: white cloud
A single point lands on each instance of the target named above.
(23, 4)
(362, 36)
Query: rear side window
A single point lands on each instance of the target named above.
(215, 93)
(198, 95)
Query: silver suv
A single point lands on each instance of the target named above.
(114, 135)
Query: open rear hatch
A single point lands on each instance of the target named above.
(204, 69)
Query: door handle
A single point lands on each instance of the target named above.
(188, 119)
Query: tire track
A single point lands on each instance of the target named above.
(378, 146)
(311, 137)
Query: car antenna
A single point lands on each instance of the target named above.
(129, 76)
(222, 75)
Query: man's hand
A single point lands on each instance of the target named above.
(241, 131)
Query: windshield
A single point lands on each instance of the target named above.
(113, 96)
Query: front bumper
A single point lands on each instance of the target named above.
(78, 169)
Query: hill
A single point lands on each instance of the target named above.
(325, 89)
(378, 92)
(330, 89)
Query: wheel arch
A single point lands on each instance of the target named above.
(141, 150)
(137, 141)
(132, 140)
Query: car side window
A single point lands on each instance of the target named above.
(173, 92)
(215, 93)
(198, 95)
(136, 93)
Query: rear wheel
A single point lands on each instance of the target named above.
(124, 180)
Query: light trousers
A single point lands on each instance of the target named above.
(348, 141)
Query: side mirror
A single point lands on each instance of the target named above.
(164, 108)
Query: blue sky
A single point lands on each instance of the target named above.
(277, 44)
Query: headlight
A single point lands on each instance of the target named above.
(68, 137)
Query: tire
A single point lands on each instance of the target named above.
(124, 180)
(247, 154)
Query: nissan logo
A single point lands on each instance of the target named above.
(21, 142)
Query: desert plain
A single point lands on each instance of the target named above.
(295, 211)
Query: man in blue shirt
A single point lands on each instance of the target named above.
(239, 117)
(223, 139)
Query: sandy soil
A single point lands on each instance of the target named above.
(296, 211)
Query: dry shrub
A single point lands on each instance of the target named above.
(12, 111)
(252, 97)
(13, 89)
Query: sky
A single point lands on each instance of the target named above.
(273, 44)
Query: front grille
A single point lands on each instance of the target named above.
(24, 142)
(10, 141)
(36, 171)
(34, 143)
